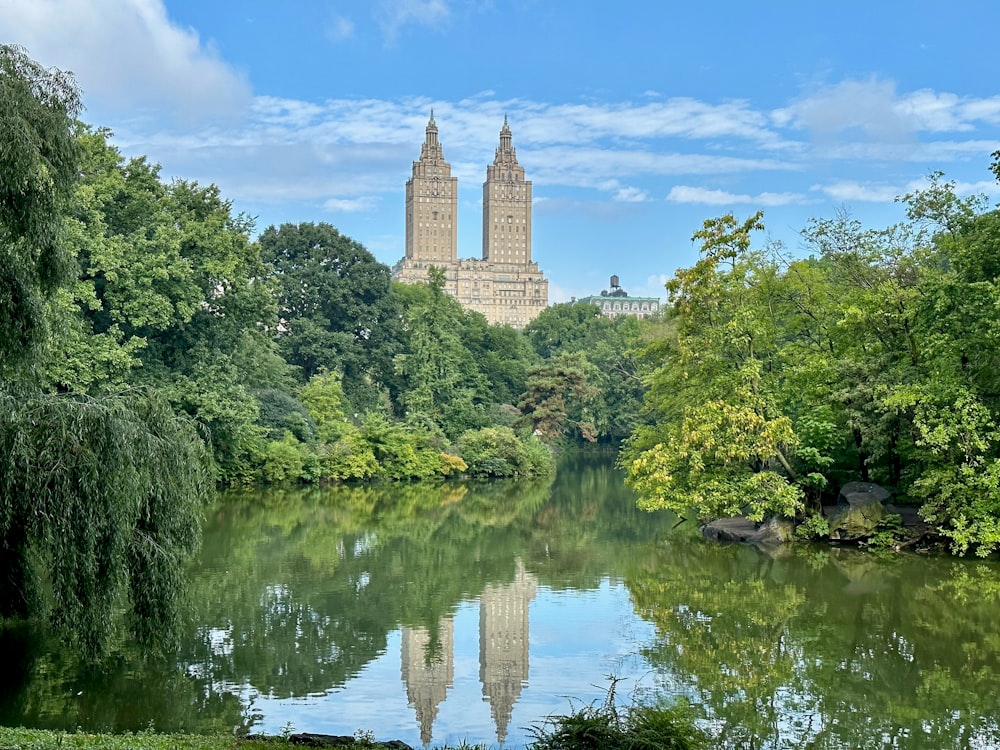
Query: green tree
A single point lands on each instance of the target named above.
(324, 396)
(171, 295)
(499, 452)
(99, 498)
(566, 327)
(502, 354)
(337, 306)
(613, 346)
(559, 399)
(720, 444)
(442, 384)
(38, 169)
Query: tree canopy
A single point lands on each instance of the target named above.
(874, 358)
(38, 169)
(99, 496)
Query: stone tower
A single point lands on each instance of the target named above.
(432, 205)
(506, 206)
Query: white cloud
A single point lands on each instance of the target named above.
(873, 110)
(849, 190)
(869, 108)
(340, 28)
(874, 192)
(690, 194)
(988, 187)
(127, 55)
(673, 118)
(631, 195)
(933, 111)
(624, 193)
(987, 110)
(351, 205)
(394, 15)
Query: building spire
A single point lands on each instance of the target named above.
(431, 135)
(505, 154)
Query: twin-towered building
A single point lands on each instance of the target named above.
(504, 284)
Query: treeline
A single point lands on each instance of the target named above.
(298, 357)
(151, 348)
(875, 358)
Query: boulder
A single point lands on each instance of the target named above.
(860, 510)
(774, 531)
(738, 529)
(742, 530)
(862, 493)
(308, 739)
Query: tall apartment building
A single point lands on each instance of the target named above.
(504, 284)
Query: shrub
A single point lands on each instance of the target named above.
(606, 727)
(283, 460)
(280, 411)
(499, 452)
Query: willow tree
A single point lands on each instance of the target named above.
(38, 158)
(99, 497)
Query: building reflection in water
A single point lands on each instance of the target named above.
(428, 664)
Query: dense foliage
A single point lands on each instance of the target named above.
(875, 358)
(150, 344)
(99, 494)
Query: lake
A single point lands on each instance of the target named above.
(437, 613)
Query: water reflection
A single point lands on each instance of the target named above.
(815, 647)
(428, 663)
(428, 668)
(503, 644)
(436, 613)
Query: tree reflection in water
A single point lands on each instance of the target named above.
(815, 647)
(296, 593)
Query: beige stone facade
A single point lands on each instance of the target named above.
(504, 284)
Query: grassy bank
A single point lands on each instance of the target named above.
(595, 727)
(603, 726)
(40, 739)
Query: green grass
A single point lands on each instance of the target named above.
(603, 726)
(40, 739)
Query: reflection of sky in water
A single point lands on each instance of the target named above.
(576, 640)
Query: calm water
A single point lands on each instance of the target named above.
(440, 613)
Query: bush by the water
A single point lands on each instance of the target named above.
(657, 726)
(499, 452)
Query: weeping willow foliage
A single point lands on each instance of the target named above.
(38, 169)
(100, 506)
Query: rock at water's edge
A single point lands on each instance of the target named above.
(744, 531)
(862, 493)
(859, 512)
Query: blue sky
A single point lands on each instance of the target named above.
(634, 120)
